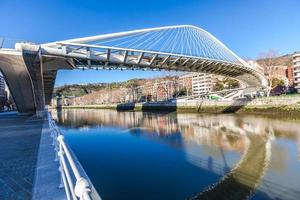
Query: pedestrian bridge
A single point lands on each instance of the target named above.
(30, 69)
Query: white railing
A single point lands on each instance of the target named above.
(81, 189)
(9, 43)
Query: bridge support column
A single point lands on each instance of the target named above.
(18, 80)
(33, 61)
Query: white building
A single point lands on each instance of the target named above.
(296, 63)
(2, 86)
(3, 96)
(202, 83)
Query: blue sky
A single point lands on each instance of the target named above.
(248, 27)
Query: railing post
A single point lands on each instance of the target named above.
(57, 151)
(82, 189)
(55, 135)
(61, 184)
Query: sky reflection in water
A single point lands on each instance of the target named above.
(135, 155)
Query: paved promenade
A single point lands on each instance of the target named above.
(19, 143)
(27, 167)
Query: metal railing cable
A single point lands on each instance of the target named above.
(75, 185)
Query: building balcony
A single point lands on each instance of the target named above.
(296, 63)
(296, 54)
(296, 71)
(296, 81)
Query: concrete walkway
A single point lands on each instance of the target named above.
(19, 143)
(27, 167)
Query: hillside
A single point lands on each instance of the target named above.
(286, 60)
(78, 90)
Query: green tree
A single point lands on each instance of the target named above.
(218, 86)
(180, 92)
(277, 82)
(232, 83)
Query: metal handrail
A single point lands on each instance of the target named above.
(1, 42)
(81, 189)
(9, 43)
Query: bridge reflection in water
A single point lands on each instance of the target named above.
(267, 149)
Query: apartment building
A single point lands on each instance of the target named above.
(202, 83)
(296, 69)
(198, 83)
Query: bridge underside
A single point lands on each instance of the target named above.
(30, 82)
(18, 80)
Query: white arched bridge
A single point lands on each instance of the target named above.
(30, 69)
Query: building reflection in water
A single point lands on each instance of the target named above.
(265, 161)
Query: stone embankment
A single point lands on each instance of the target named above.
(286, 105)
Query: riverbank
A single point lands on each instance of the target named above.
(287, 106)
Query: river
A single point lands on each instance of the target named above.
(147, 155)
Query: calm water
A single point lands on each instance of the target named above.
(135, 155)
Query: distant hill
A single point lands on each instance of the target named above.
(286, 60)
(78, 90)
